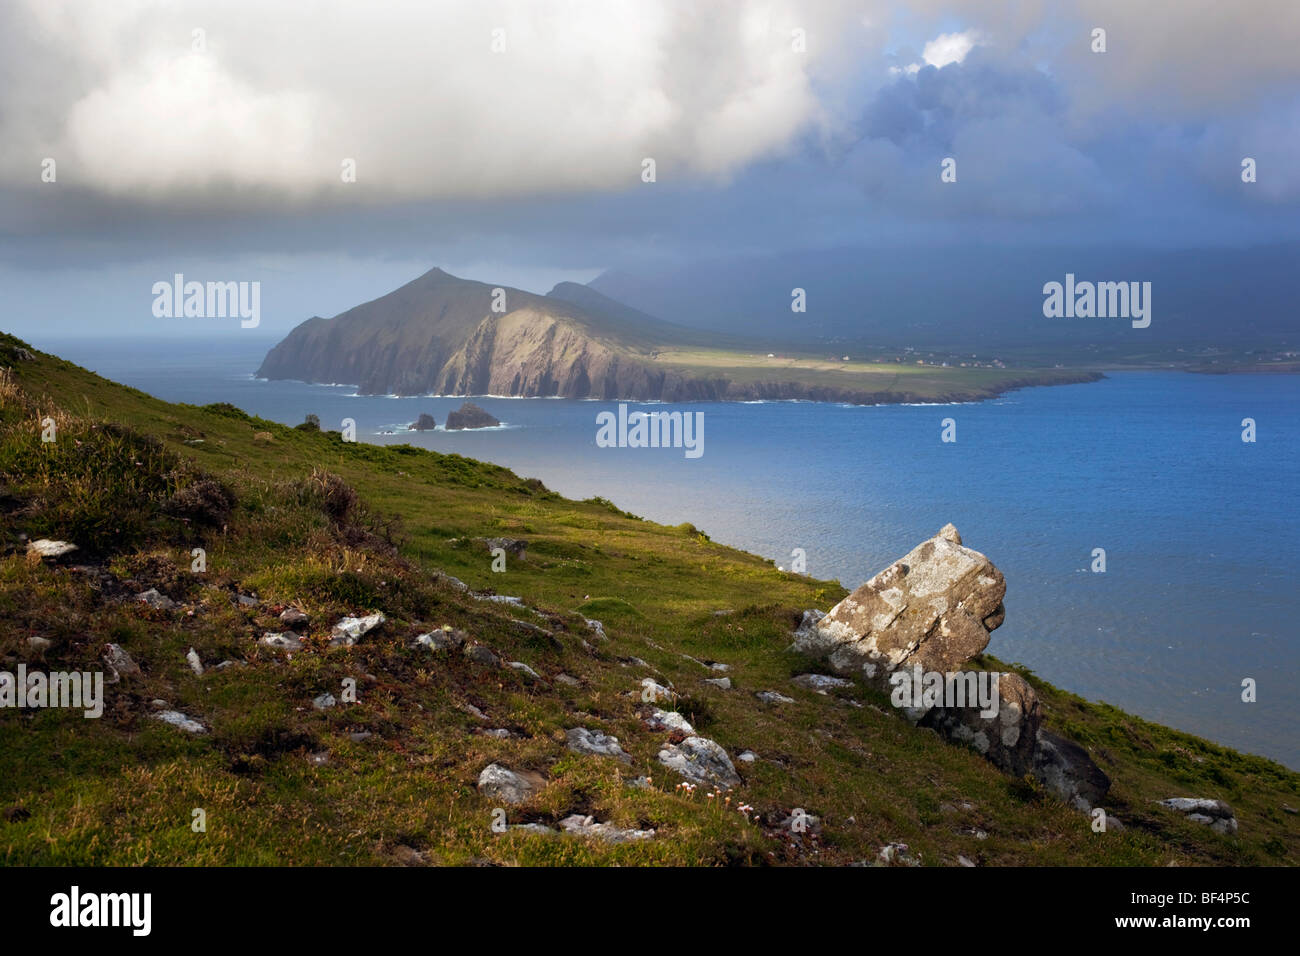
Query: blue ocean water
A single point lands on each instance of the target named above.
(1201, 530)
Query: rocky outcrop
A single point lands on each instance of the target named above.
(470, 415)
(909, 632)
(1215, 814)
(424, 423)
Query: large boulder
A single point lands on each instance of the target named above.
(1008, 738)
(934, 607)
(1065, 768)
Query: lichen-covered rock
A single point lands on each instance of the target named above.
(1008, 738)
(585, 741)
(514, 787)
(579, 825)
(934, 607)
(351, 629)
(669, 720)
(700, 761)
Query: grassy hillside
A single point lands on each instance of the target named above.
(294, 516)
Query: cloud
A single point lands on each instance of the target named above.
(431, 100)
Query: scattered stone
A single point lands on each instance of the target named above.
(159, 704)
(474, 712)
(717, 666)
(578, 825)
(639, 783)
(182, 722)
(653, 690)
(44, 549)
(700, 760)
(975, 832)
(524, 669)
(319, 759)
(324, 701)
(282, 642)
(360, 736)
(723, 613)
(747, 756)
(772, 697)
(120, 662)
(443, 578)
(896, 854)
(444, 639)
(962, 861)
(722, 683)
(245, 600)
(597, 628)
(39, 644)
(497, 782)
(633, 661)
(500, 599)
(669, 720)
(351, 629)
(534, 828)
(294, 619)
(196, 665)
(1215, 814)
(482, 654)
(515, 547)
(585, 741)
(567, 680)
(155, 600)
(958, 807)
(821, 682)
(224, 664)
(499, 732)
(408, 856)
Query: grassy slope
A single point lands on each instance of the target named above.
(120, 790)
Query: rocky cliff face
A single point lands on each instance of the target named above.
(449, 336)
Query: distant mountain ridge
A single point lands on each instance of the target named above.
(445, 335)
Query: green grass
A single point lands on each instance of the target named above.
(283, 783)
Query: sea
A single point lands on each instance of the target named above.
(1200, 529)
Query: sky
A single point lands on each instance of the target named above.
(507, 140)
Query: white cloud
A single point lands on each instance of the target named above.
(950, 48)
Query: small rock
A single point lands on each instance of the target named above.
(46, 549)
(700, 760)
(196, 665)
(669, 720)
(1215, 814)
(772, 697)
(820, 681)
(585, 741)
(360, 736)
(246, 600)
(179, 720)
(567, 680)
(120, 661)
(351, 629)
(159, 704)
(524, 669)
(155, 600)
(324, 701)
(639, 783)
(596, 627)
(962, 861)
(896, 854)
(282, 642)
(578, 825)
(499, 783)
(499, 732)
(722, 683)
(444, 639)
(515, 547)
(319, 759)
(39, 644)
(747, 756)
(294, 619)
(652, 690)
(539, 828)
(482, 654)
